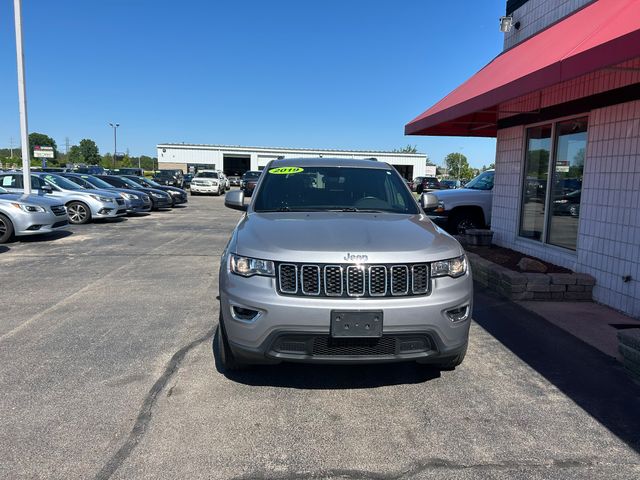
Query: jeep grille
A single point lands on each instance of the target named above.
(353, 280)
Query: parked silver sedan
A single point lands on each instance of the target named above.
(29, 215)
(83, 205)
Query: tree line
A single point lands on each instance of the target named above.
(86, 153)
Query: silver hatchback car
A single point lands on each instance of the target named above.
(335, 262)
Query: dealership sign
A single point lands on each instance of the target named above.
(43, 152)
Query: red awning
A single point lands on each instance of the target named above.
(602, 34)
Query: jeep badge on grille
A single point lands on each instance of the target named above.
(349, 257)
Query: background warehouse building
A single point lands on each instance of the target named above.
(235, 160)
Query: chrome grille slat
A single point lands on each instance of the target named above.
(377, 280)
(419, 279)
(353, 281)
(310, 276)
(288, 278)
(399, 280)
(333, 280)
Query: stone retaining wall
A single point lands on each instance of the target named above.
(629, 348)
(531, 286)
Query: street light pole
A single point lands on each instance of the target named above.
(115, 143)
(22, 99)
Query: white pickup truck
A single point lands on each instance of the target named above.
(463, 208)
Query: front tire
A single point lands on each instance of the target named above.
(6, 229)
(460, 222)
(225, 359)
(452, 363)
(78, 212)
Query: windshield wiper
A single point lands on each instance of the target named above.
(354, 209)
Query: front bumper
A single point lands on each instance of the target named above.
(305, 321)
(138, 206)
(108, 209)
(38, 223)
(179, 199)
(205, 188)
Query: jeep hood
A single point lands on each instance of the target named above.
(327, 237)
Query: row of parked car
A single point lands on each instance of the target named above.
(425, 184)
(58, 199)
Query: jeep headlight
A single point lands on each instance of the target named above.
(100, 198)
(248, 267)
(454, 267)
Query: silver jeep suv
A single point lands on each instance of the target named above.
(335, 262)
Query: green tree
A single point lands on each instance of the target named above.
(458, 166)
(89, 151)
(407, 149)
(75, 155)
(42, 140)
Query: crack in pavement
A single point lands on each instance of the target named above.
(422, 466)
(144, 415)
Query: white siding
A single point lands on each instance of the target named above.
(609, 229)
(538, 14)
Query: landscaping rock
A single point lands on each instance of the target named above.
(584, 279)
(530, 265)
(630, 337)
(563, 278)
(537, 278)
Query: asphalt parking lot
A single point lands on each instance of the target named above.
(108, 372)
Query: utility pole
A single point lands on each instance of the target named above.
(115, 142)
(66, 145)
(11, 147)
(22, 99)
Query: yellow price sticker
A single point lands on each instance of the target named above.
(285, 170)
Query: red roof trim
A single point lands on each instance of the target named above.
(604, 33)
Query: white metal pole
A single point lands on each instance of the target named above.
(22, 98)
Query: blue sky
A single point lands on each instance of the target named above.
(317, 74)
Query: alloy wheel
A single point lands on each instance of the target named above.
(77, 213)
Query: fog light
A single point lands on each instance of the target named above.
(245, 314)
(34, 227)
(104, 211)
(458, 314)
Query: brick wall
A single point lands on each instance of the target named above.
(609, 229)
(538, 14)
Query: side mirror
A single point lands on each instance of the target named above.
(428, 200)
(46, 189)
(235, 200)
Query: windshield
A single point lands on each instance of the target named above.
(131, 183)
(2, 191)
(484, 181)
(334, 189)
(164, 173)
(251, 175)
(61, 182)
(146, 182)
(96, 182)
(206, 175)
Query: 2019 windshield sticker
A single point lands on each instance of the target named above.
(285, 170)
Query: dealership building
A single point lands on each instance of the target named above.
(235, 160)
(563, 102)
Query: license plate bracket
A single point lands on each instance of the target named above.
(356, 324)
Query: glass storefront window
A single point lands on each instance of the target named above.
(535, 182)
(554, 164)
(571, 145)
